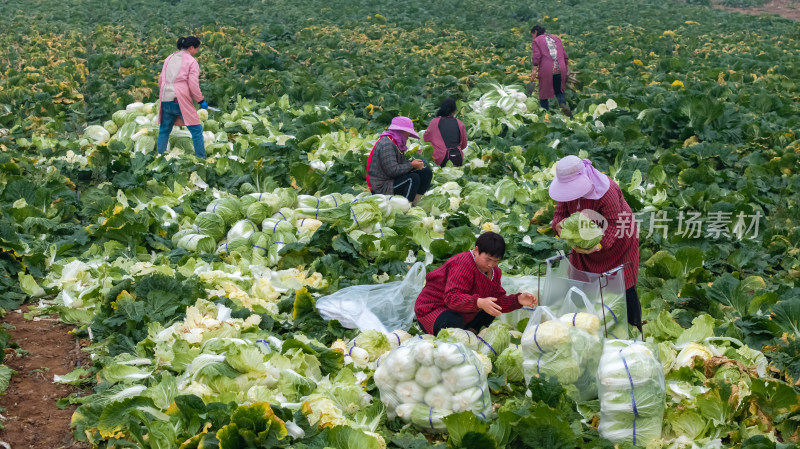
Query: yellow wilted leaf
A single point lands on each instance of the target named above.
(638, 62)
(691, 141)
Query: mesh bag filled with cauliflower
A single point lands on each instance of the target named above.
(566, 348)
(630, 382)
(424, 380)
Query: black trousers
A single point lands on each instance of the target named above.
(545, 104)
(455, 156)
(451, 318)
(413, 183)
(634, 308)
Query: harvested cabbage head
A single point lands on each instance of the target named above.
(581, 232)
(586, 322)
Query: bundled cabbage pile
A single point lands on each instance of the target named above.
(581, 232)
(566, 347)
(425, 380)
(632, 392)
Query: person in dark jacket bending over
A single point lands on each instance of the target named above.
(447, 135)
(465, 292)
(389, 172)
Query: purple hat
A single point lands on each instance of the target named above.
(404, 124)
(571, 180)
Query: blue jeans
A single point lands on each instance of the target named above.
(170, 111)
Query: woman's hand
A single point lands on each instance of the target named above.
(587, 251)
(418, 164)
(528, 300)
(557, 227)
(490, 306)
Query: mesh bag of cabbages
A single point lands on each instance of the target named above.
(566, 348)
(425, 380)
(632, 392)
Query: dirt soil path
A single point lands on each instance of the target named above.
(32, 419)
(789, 9)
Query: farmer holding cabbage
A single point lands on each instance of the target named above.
(447, 135)
(579, 187)
(388, 170)
(465, 292)
(178, 85)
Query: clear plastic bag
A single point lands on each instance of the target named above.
(562, 279)
(587, 341)
(564, 348)
(424, 380)
(632, 392)
(547, 348)
(518, 319)
(382, 307)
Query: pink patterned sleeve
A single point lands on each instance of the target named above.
(194, 81)
(463, 129)
(561, 213)
(508, 303)
(536, 57)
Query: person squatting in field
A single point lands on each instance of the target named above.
(578, 186)
(179, 84)
(447, 134)
(388, 170)
(465, 292)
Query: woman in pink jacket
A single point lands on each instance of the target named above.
(551, 67)
(447, 135)
(178, 85)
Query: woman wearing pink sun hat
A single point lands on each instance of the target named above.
(578, 187)
(388, 170)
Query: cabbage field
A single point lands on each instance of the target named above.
(192, 284)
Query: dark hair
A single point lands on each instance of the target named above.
(189, 41)
(448, 107)
(492, 244)
(538, 29)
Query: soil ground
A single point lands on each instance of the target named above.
(32, 419)
(789, 9)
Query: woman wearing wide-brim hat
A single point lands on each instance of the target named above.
(388, 170)
(579, 187)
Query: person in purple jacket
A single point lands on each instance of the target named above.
(448, 135)
(551, 67)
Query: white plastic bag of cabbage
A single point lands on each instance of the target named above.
(630, 381)
(566, 348)
(425, 380)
